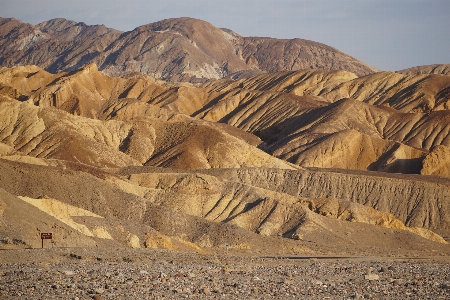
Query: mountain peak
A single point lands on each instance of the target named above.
(57, 24)
(177, 49)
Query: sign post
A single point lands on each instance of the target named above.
(227, 244)
(45, 236)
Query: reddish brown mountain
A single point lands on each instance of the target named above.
(182, 49)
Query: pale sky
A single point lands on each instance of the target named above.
(387, 34)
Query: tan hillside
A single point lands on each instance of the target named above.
(21, 219)
(270, 163)
(15, 82)
(404, 92)
(264, 211)
(126, 225)
(407, 93)
(178, 218)
(443, 69)
(50, 133)
(420, 201)
(279, 108)
(436, 162)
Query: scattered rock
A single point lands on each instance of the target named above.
(68, 273)
(192, 275)
(398, 282)
(371, 277)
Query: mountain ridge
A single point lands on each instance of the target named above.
(180, 49)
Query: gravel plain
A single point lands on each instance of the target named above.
(160, 274)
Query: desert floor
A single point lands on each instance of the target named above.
(84, 273)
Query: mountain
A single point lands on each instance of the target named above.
(288, 162)
(181, 49)
(184, 136)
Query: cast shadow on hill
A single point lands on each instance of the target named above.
(248, 207)
(282, 133)
(385, 163)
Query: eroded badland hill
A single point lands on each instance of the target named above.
(276, 159)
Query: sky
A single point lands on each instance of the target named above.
(387, 34)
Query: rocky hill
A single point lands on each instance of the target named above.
(294, 116)
(443, 69)
(281, 162)
(182, 49)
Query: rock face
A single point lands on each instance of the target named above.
(182, 49)
(196, 212)
(418, 201)
(270, 163)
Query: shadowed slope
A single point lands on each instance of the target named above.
(407, 93)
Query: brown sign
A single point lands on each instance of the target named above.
(46, 235)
